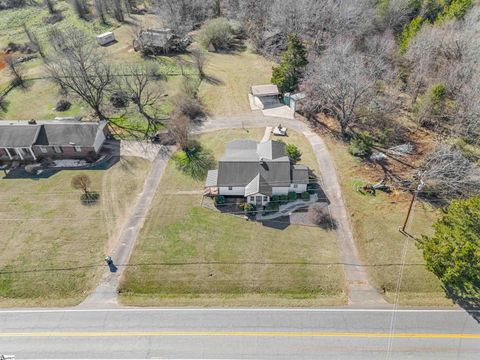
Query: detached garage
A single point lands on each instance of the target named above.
(265, 96)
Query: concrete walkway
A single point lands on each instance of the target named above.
(360, 291)
(289, 208)
(105, 295)
(268, 132)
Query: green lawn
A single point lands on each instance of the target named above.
(376, 221)
(189, 255)
(234, 74)
(51, 246)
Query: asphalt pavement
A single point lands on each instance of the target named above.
(239, 333)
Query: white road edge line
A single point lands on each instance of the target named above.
(206, 310)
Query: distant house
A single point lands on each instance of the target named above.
(256, 171)
(32, 141)
(160, 41)
(265, 96)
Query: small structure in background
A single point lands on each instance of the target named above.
(265, 96)
(105, 38)
(295, 100)
(160, 41)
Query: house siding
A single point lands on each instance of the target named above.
(299, 189)
(265, 199)
(67, 152)
(236, 191)
(280, 190)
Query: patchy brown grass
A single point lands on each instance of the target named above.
(189, 255)
(51, 246)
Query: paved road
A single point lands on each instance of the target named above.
(238, 333)
(360, 291)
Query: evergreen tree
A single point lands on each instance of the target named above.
(453, 251)
(287, 74)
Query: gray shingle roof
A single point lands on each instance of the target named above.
(14, 135)
(264, 90)
(256, 166)
(299, 174)
(80, 134)
(212, 177)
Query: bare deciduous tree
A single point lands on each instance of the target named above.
(179, 127)
(81, 68)
(81, 182)
(16, 69)
(449, 173)
(146, 95)
(342, 81)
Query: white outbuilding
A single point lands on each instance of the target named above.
(105, 38)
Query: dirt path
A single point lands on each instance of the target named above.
(105, 294)
(360, 291)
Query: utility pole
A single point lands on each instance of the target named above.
(414, 197)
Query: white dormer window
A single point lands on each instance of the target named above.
(43, 149)
(77, 149)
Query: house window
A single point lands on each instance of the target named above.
(58, 149)
(43, 149)
(77, 149)
(295, 186)
(252, 198)
(230, 188)
(265, 198)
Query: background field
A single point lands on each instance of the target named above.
(189, 255)
(52, 246)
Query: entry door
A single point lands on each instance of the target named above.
(259, 200)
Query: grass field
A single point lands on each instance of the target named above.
(51, 246)
(376, 221)
(233, 74)
(37, 100)
(189, 255)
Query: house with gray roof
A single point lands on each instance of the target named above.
(56, 139)
(256, 171)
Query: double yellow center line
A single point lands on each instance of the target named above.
(242, 334)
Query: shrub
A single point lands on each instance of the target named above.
(361, 145)
(248, 208)
(283, 199)
(119, 99)
(217, 32)
(219, 200)
(63, 105)
(293, 153)
(320, 216)
(276, 199)
(292, 196)
(305, 196)
(272, 206)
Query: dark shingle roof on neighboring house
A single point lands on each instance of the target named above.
(14, 135)
(80, 134)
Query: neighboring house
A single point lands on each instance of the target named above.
(50, 139)
(265, 96)
(160, 41)
(256, 171)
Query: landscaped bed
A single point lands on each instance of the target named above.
(51, 245)
(376, 221)
(189, 255)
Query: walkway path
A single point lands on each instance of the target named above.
(106, 292)
(360, 291)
